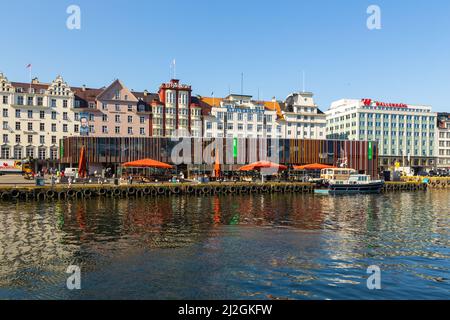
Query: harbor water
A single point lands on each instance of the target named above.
(262, 246)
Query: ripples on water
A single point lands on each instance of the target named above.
(255, 247)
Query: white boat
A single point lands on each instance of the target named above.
(356, 183)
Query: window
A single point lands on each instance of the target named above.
(42, 153)
(65, 116)
(41, 114)
(20, 100)
(130, 130)
(64, 103)
(5, 152)
(30, 139)
(30, 114)
(53, 115)
(5, 99)
(18, 113)
(77, 116)
(17, 125)
(117, 130)
(53, 139)
(17, 138)
(40, 101)
(5, 125)
(91, 117)
(142, 119)
(30, 152)
(42, 139)
(117, 107)
(53, 103)
(105, 118)
(65, 127)
(30, 126)
(130, 119)
(130, 108)
(18, 153)
(104, 106)
(117, 118)
(142, 131)
(76, 128)
(5, 113)
(104, 129)
(54, 154)
(117, 94)
(53, 127)
(91, 128)
(30, 101)
(41, 127)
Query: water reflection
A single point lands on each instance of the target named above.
(261, 246)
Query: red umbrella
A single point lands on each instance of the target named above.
(314, 166)
(262, 165)
(147, 163)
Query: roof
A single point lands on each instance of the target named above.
(269, 105)
(35, 86)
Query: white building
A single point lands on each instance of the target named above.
(303, 118)
(238, 116)
(35, 117)
(406, 134)
(443, 138)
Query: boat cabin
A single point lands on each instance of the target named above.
(337, 174)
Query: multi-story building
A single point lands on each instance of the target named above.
(238, 116)
(303, 118)
(35, 117)
(111, 111)
(406, 133)
(118, 111)
(176, 114)
(443, 140)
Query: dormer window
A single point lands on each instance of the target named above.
(117, 95)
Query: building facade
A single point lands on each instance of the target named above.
(406, 134)
(443, 138)
(175, 113)
(302, 117)
(118, 111)
(113, 151)
(238, 116)
(35, 117)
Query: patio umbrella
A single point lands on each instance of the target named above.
(82, 163)
(147, 163)
(313, 166)
(217, 166)
(262, 165)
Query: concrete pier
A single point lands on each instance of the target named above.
(63, 192)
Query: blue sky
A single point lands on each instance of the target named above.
(271, 42)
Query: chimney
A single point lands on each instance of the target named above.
(83, 87)
(35, 81)
(145, 93)
(274, 100)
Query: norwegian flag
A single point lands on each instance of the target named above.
(28, 66)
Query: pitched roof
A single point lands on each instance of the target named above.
(35, 86)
